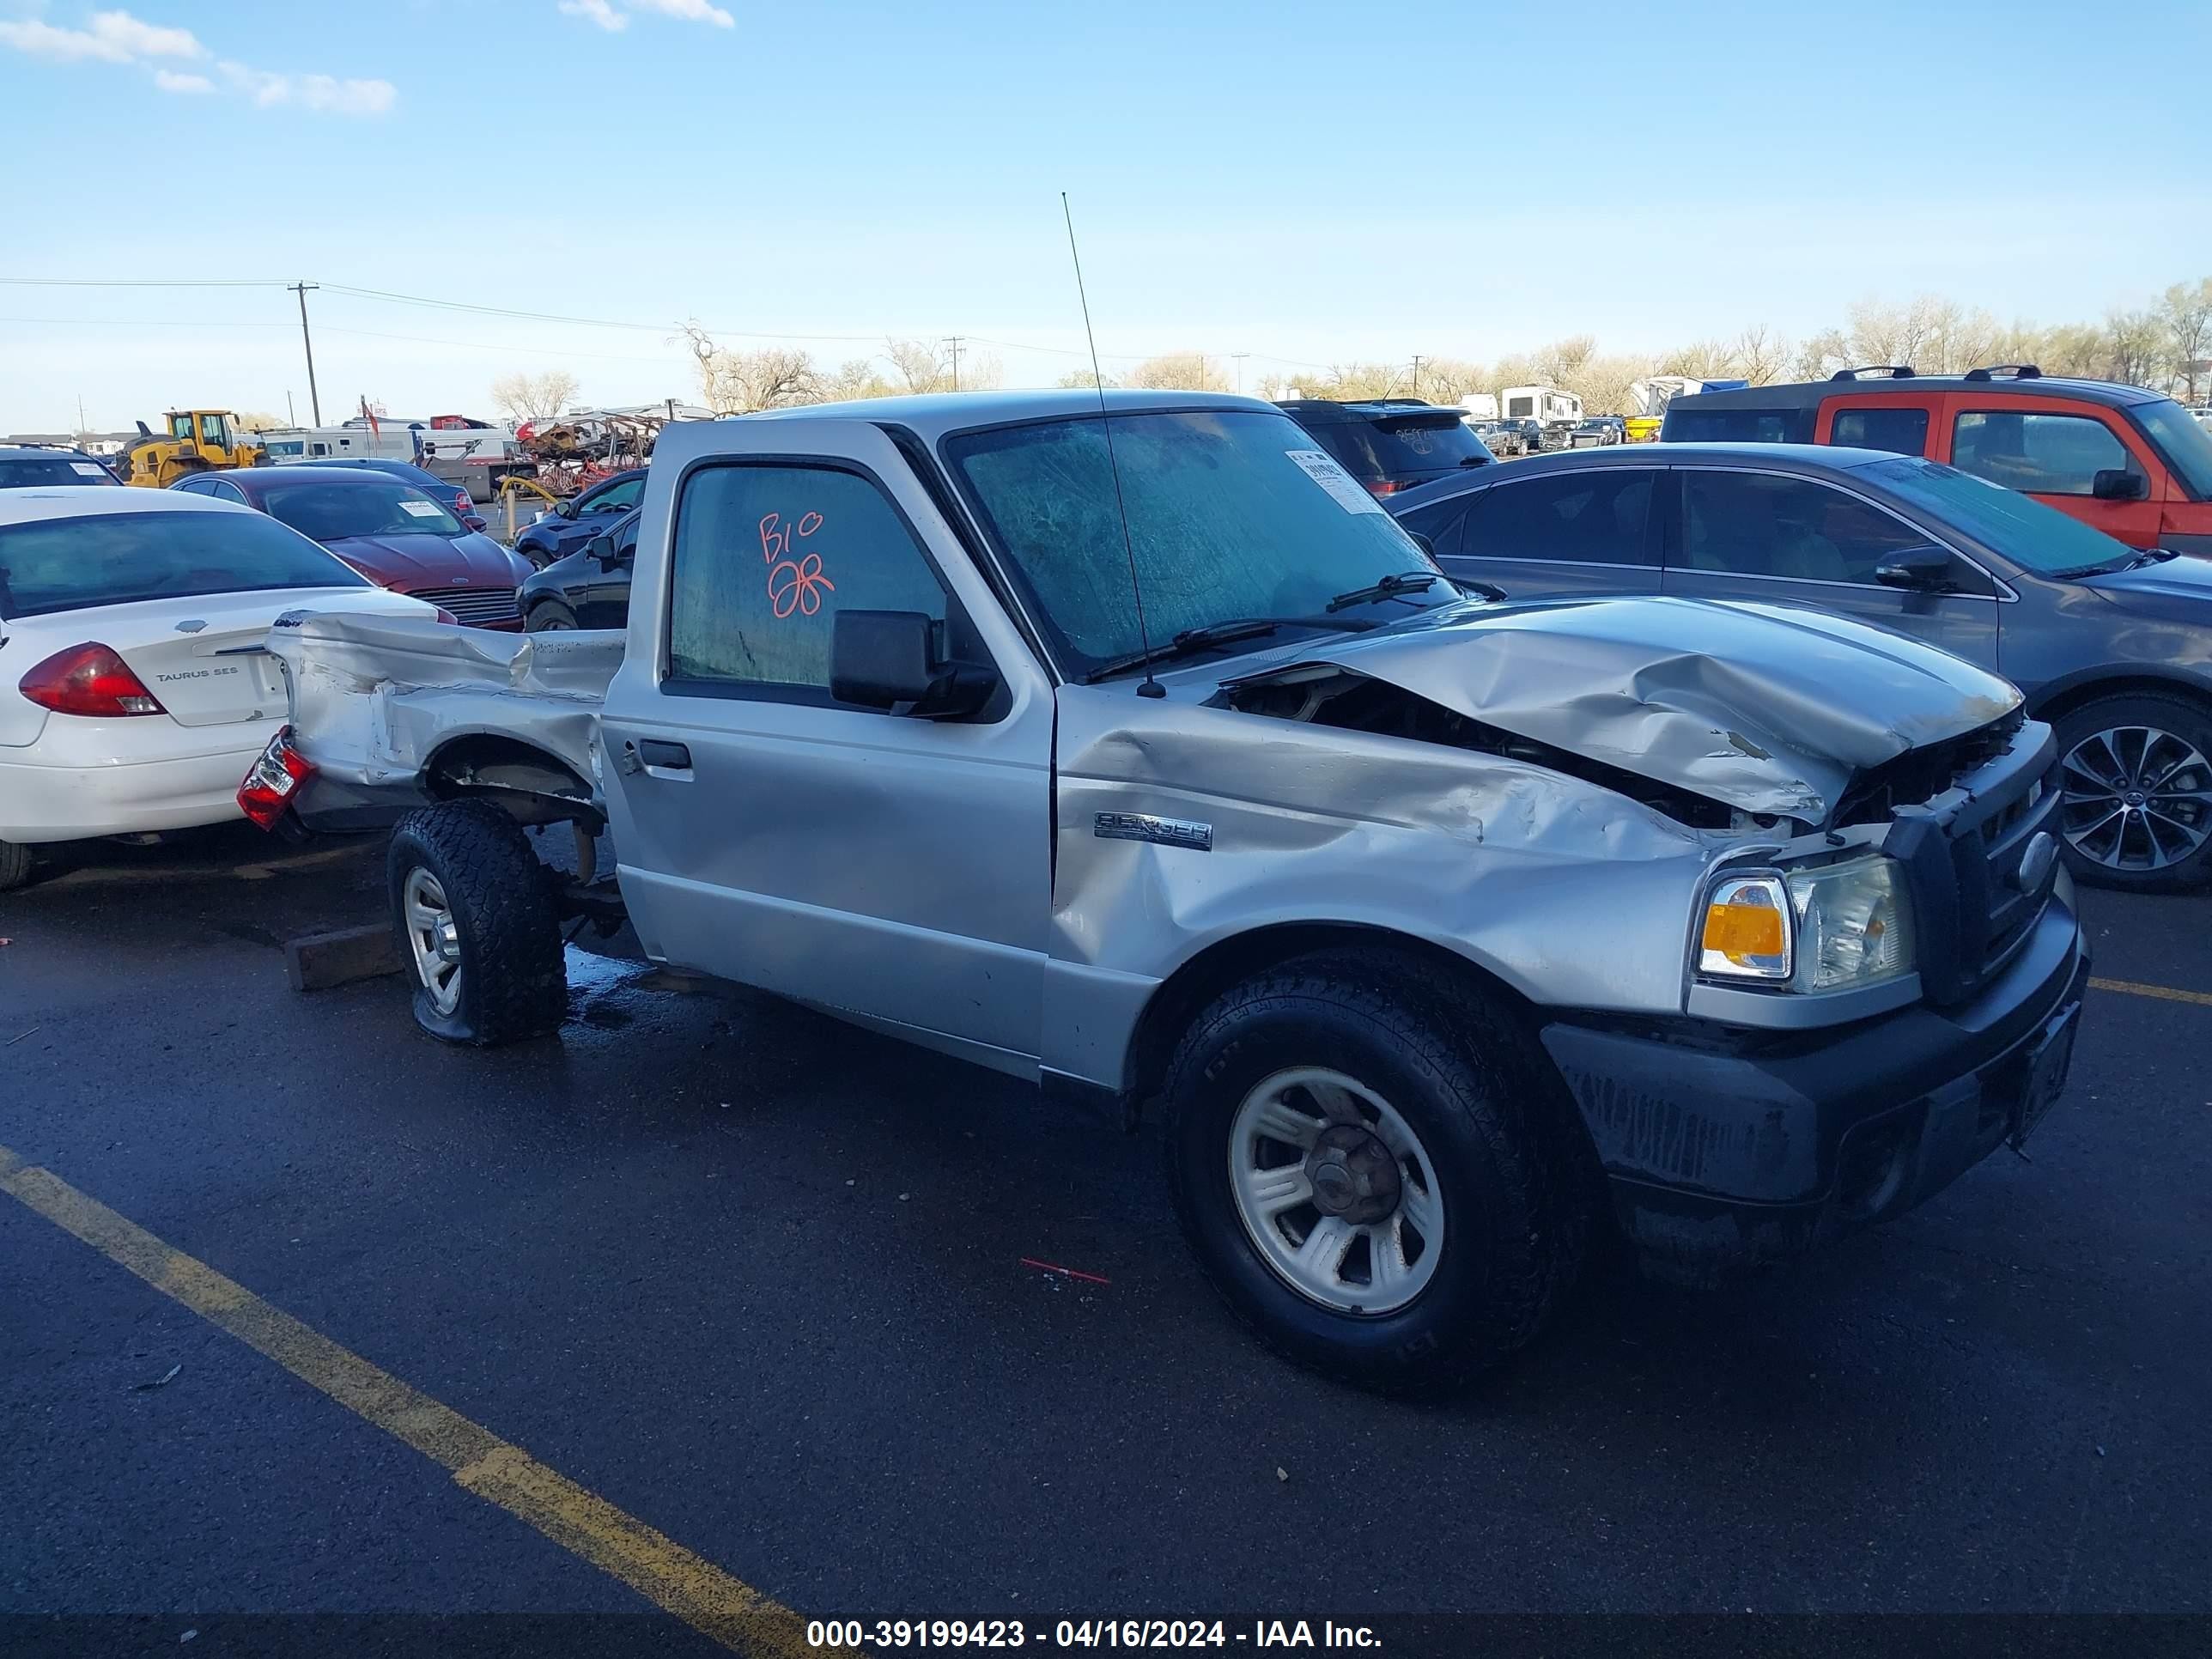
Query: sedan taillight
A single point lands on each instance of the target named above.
(89, 679)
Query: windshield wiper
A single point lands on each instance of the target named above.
(1390, 587)
(1192, 640)
(2110, 566)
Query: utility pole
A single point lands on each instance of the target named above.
(956, 361)
(80, 416)
(1417, 374)
(315, 401)
(1240, 356)
(291, 414)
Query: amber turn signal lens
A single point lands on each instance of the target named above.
(1742, 930)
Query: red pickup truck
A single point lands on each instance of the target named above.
(2132, 463)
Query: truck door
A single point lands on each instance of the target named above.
(2082, 458)
(768, 833)
(1784, 538)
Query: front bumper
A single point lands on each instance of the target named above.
(1724, 1148)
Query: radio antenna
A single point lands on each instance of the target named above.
(1150, 687)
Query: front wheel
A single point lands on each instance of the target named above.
(2135, 785)
(1373, 1171)
(550, 616)
(475, 926)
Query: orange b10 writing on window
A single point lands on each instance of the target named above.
(795, 581)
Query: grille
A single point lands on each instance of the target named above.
(475, 606)
(1965, 865)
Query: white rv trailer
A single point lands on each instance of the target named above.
(1540, 403)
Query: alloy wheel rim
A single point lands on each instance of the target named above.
(1335, 1191)
(432, 939)
(2136, 797)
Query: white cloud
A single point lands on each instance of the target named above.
(113, 37)
(689, 11)
(614, 15)
(323, 93)
(116, 37)
(598, 11)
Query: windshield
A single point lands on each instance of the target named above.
(2185, 445)
(117, 558)
(374, 507)
(29, 472)
(1231, 515)
(2035, 537)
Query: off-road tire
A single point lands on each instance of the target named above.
(14, 865)
(2185, 719)
(514, 981)
(550, 614)
(1489, 1108)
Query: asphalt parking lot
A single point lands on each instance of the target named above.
(756, 1282)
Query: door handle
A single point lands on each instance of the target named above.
(670, 756)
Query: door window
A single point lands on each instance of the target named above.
(765, 557)
(1596, 517)
(226, 492)
(1900, 431)
(212, 429)
(1762, 524)
(2041, 455)
(1440, 522)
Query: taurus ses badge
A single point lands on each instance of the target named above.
(1143, 826)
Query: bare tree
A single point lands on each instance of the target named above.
(523, 397)
(919, 366)
(1897, 334)
(1822, 355)
(1351, 382)
(856, 377)
(1084, 377)
(1761, 354)
(2138, 348)
(2070, 348)
(1178, 371)
(1701, 359)
(1559, 363)
(2186, 311)
(738, 382)
(255, 421)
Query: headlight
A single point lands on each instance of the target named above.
(1825, 929)
(1854, 924)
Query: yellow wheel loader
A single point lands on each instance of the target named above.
(198, 441)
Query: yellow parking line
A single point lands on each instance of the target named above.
(2164, 993)
(662, 1571)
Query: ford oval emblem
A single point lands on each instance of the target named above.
(2035, 863)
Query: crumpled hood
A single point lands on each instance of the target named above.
(2181, 588)
(1768, 708)
(470, 561)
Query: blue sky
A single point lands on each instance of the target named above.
(1305, 184)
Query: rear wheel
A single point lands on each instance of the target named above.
(1371, 1169)
(14, 865)
(2135, 784)
(474, 918)
(550, 616)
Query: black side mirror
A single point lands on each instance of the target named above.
(565, 509)
(2118, 483)
(1926, 569)
(602, 548)
(887, 659)
(470, 521)
(1420, 541)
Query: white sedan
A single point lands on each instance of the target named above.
(135, 691)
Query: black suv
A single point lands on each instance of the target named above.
(1391, 444)
(25, 466)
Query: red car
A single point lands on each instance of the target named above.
(2131, 462)
(392, 532)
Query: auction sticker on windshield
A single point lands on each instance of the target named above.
(421, 509)
(1335, 479)
(87, 470)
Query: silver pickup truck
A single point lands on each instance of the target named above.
(1136, 752)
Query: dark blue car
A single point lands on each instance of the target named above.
(455, 496)
(589, 587)
(573, 522)
(2111, 644)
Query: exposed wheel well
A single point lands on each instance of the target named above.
(533, 786)
(2056, 705)
(1185, 992)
